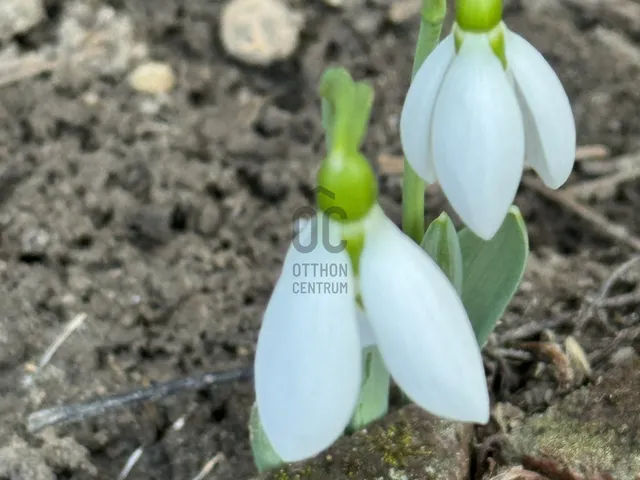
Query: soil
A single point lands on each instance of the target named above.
(165, 221)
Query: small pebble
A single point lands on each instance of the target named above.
(623, 355)
(19, 16)
(259, 32)
(152, 77)
(273, 120)
(34, 242)
(344, 3)
(95, 39)
(368, 22)
(272, 185)
(209, 220)
(403, 10)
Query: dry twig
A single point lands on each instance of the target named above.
(604, 226)
(24, 67)
(218, 457)
(76, 412)
(587, 310)
(75, 323)
(627, 169)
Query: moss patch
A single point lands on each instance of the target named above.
(593, 431)
(407, 445)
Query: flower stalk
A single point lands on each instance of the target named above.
(431, 18)
(346, 108)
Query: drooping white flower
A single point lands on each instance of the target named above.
(308, 365)
(472, 125)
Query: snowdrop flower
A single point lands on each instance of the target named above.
(484, 105)
(325, 308)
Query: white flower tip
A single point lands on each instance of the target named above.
(480, 175)
(547, 114)
(471, 403)
(481, 409)
(421, 327)
(483, 228)
(555, 180)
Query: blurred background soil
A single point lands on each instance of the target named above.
(152, 154)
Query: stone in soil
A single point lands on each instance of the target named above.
(408, 443)
(152, 77)
(19, 16)
(592, 432)
(51, 459)
(95, 40)
(259, 32)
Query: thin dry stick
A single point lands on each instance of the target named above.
(21, 69)
(79, 411)
(529, 330)
(587, 311)
(591, 152)
(131, 462)
(604, 226)
(622, 300)
(604, 187)
(219, 457)
(511, 354)
(612, 165)
(628, 334)
(75, 323)
(135, 457)
(71, 327)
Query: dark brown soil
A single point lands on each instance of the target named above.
(167, 226)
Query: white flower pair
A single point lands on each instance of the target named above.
(472, 125)
(308, 366)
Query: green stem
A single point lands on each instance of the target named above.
(431, 18)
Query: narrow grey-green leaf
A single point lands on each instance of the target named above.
(264, 456)
(492, 272)
(373, 403)
(442, 244)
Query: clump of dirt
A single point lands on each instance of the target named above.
(52, 457)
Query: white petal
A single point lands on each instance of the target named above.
(299, 225)
(550, 130)
(367, 338)
(422, 329)
(308, 365)
(417, 111)
(478, 138)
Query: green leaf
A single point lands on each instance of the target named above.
(264, 456)
(374, 393)
(441, 243)
(492, 272)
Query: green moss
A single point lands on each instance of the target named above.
(586, 444)
(282, 475)
(406, 444)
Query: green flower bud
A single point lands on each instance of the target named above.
(478, 16)
(347, 186)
